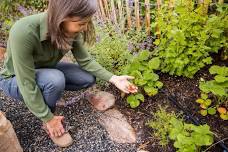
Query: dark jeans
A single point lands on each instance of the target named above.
(52, 82)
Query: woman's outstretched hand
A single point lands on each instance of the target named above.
(122, 83)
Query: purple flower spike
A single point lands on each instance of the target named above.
(98, 38)
(23, 10)
(130, 47)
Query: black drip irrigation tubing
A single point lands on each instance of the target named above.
(188, 115)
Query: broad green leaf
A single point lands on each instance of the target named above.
(134, 104)
(202, 129)
(202, 139)
(220, 78)
(203, 112)
(148, 75)
(184, 139)
(133, 101)
(159, 84)
(219, 70)
(154, 63)
(151, 83)
(214, 87)
(200, 101)
(207, 60)
(204, 96)
(139, 97)
(136, 74)
(131, 98)
(224, 116)
(144, 55)
(140, 82)
(177, 124)
(150, 91)
(211, 111)
(155, 77)
(207, 102)
(134, 66)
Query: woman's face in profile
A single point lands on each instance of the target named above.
(74, 25)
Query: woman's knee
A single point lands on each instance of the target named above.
(90, 80)
(50, 80)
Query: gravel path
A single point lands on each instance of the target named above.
(80, 118)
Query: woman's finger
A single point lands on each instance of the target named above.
(51, 133)
(59, 133)
(54, 133)
(62, 130)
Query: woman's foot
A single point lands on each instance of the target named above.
(62, 141)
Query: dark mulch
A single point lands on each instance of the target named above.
(186, 91)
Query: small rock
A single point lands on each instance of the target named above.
(117, 126)
(101, 100)
(2, 53)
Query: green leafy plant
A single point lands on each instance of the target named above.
(188, 37)
(161, 125)
(205, 104)
(186, 137)
(134, 100)
(218, 88)
(111, 51)
(219, 85)
(142, 68)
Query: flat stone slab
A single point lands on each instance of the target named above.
(101, 100)
(117, 126)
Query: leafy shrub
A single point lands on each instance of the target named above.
(218, 88)
(186, 137)
(188, 37)
(111, 50)
(142, 68)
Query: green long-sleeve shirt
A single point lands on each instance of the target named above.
(28, 49)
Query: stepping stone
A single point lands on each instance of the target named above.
(117, 126)
(101, 100)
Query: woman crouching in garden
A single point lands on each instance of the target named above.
(32, 72)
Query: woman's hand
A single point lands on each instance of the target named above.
(122, 83)
(55, 127)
